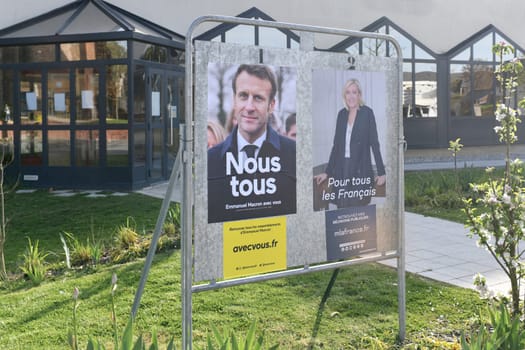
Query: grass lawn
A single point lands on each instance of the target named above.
(360, 313)
(438, 193)
(43, 216)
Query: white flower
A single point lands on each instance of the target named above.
(492, 199)
(506, 198)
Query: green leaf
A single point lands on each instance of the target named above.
(171, 344)
(139, 344)
(235, 345)
(127, 338)
(218, 337)
(248, 343)
(154, 342)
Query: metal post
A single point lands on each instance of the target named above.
(156, 234)
(401, 282)
(187, 195)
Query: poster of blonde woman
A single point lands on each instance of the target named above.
(349, 176)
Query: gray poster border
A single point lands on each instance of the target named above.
(307, 36)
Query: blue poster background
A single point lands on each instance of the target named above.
(350, 232)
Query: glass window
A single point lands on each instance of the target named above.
(98, 50)
(150, 52)
(117, 148)
(59, 148)
(27, 54)
(45, 27)
(58, 97)
(176, 56)
(9, 54)
(139, 97)
(31, 97)
(92, 18)
(421, 54)
(408, 91)
(473, 88)
(6, 96)
(460, 97)
(419, 71)
(87, 93)
(425, 91)
(139, 147)
(482, 49)
(86, 148)
(117, 94)
(463, 55)
(253, 34)
(483, 90)
(404, 43)
(353, 50)
(241, 34)
(158, 143)
(31, 147)
(373, 47)
(271, 37)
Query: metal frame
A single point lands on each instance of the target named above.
(253, 12)
(187, 203)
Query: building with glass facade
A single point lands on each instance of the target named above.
(92, 94)
(91, 97)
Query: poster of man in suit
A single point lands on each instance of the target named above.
(251, 161)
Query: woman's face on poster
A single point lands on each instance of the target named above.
(352, 96)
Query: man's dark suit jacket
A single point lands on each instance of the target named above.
(282, 202)
(364, 137)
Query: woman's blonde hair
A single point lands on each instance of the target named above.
(217, 130)
(349, 83)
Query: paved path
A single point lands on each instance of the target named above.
(441, 250)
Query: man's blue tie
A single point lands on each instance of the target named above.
(249, 150)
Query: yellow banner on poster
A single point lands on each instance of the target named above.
(253, 247)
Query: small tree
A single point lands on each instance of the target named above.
(6, 158)
(455, 147)
(496, 213)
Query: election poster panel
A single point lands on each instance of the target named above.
(348, 141)
(251, 154)
(349, 176)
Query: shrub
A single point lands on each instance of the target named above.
(503, 332)
(34, 263)
(128, 243)
(126, 236)
(80, 254)
(228, 340)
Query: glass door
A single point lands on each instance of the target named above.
(162, 123)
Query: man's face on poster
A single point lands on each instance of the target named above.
(252, 105)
